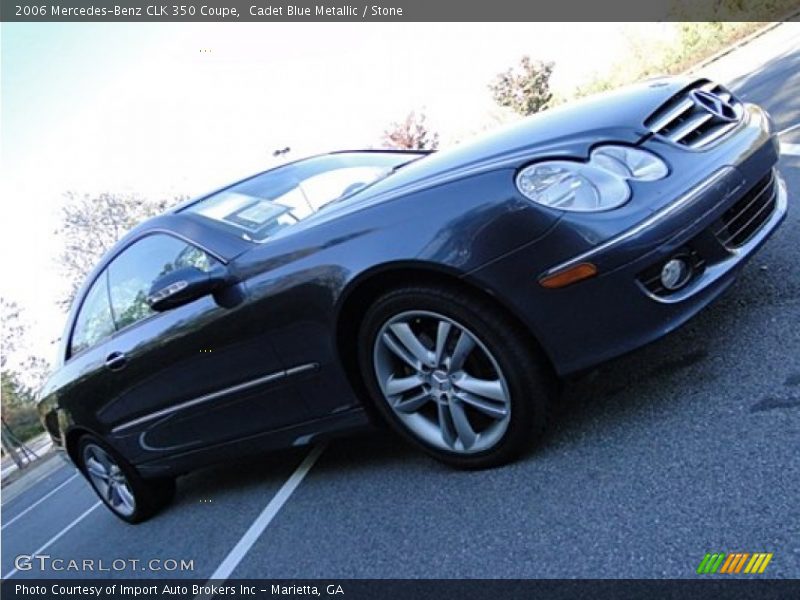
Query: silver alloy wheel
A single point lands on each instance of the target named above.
(109, 480)
(442, 382)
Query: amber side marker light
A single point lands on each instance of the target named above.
(569, 276)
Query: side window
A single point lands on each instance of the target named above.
(132, 273)
(94, 322)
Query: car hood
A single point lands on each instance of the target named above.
(567, 131)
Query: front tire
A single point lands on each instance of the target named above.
(116, 482)
(454, 375)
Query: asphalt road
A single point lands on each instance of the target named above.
(685, 447)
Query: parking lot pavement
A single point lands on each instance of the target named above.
(685, 447)
(212, 509)
(38, 446)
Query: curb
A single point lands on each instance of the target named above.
(740, 43)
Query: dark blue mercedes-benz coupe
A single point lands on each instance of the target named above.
(440, 293)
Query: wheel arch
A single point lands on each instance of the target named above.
(368, 286)
(71, 442)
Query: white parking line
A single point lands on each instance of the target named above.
(790, 149)
(788, 129)
(250, 536)
(57, 536)
(38, 502)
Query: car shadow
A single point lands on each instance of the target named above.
(663, 372)
(371, 449)
(239, 475)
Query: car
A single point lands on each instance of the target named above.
(442, 294)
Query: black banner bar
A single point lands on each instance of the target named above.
(397, 10)
(717, 587)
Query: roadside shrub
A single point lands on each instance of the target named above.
(23, 420)
(691, 42)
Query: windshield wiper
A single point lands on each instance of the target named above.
(391, 171)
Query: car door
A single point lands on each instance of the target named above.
(192, 376)
(79, 387)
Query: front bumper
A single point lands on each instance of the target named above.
(720, 248)
(628, 316)
(597, 319)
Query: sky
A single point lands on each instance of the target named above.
(168, 109)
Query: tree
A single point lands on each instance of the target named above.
(13, 330)
(36, 370)
(411, 134)
(30, 373)
(90, 225)
(526, 88)
(20, 420)
(19, 416)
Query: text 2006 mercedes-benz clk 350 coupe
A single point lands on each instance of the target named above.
(441, 294)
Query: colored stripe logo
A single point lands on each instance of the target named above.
(734, 562)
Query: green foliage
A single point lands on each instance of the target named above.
(24, 422)
(692, 43)
(526, 88)
(19, 410)
(697, 41)
(731, 10)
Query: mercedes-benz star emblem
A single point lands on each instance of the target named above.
(721, 109)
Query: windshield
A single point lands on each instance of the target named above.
(261, 206)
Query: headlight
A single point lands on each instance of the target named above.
(575, 186)
(630, 163)
(599, 184)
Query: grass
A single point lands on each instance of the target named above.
(688, 44)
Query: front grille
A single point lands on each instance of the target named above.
(650, 278)
(742, 220)
(694, 118)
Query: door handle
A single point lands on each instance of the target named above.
(116, 361)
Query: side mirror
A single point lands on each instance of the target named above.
(182, 286)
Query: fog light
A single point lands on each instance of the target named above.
(675, 273)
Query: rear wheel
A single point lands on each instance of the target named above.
(119, 486)
(451, 373)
